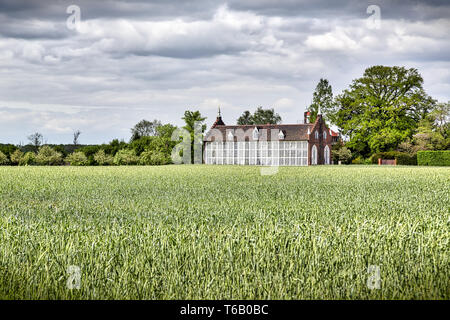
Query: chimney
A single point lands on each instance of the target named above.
(307, 114)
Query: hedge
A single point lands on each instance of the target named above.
(403, 158)
(433, 158)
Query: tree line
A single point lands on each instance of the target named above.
(384, 112)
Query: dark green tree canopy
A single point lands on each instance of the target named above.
(261, 116)
(382, 108)
(323, 99)
(144, 128)
(191, 118)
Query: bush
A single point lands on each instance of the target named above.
(358, 160)
(28, 159)
(433, 158)
(102, 158)
(154, 158)
(16, 157)
(77, 158)
(343, 154)
(402, 158)
(48, 156)
(3, 159)
(125, 157)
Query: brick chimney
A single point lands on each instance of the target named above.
(307, 114)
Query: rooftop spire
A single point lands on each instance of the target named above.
(219, 121)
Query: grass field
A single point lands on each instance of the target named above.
(225, 232)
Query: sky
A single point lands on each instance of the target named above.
(123, 61)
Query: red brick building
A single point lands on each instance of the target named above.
(269, 144)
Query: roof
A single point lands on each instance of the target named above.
(292, 132)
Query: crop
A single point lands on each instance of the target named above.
(224, 232)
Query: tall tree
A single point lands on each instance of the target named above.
(323, 99)
(261, 116)
(382, 108)
(193, 118)
(36, 139)
(144, 128)
(76, 136)
(246, 118)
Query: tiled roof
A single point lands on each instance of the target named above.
(292, 132)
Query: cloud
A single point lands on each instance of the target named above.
(155, 59)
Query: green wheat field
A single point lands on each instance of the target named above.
(225, 232)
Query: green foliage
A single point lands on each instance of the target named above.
(194, 119)
(323, 99)
(16, 157)
(382, 109)
(144, 128)
(358, 160)
(154, 158)
(402, 158)
(224, 232)
(28, 159)
(7, 149)
(433, 158)
(48, 156)
(77, 158)
(3, 159)
(165, 130)
(343, 154)
(261, 116)
(103, 159)
(126, 157)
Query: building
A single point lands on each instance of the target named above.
(269, 144)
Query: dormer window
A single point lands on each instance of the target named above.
(316, 134)
(280, 135)
(255, 134)
(324, 135)
(230, 135)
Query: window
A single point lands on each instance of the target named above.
(280, 135)
(316, 133)
(284, 153)
(326, 155)
(255, 134)
(324, 135)
(314, 155)
(230, 136)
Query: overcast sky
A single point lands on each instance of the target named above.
(130, 60)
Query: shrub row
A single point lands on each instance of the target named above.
(433, 158)
(48, 156)
(402, 158)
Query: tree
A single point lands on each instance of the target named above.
(16, 157)
(77, 158)
(144, 128)
(3, 159)
(323, 99)
(261, 116)
(382, 109)
(36, 140)
(246, 118)
(125, 157)
(193, 119)
(343, 154)
(102, 158)
(76, 136)
(165, 131)
(48, 156)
